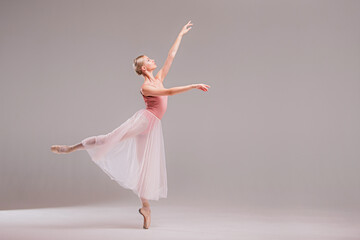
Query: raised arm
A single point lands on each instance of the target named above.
(148, 90)
(171, 54)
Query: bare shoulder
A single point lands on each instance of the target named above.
(158, 84)
(146, 85)
(145, 88)
(154, 90)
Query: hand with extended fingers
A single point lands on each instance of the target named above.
(185, 29)
(201, 86)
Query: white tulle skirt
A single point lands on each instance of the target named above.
(133, 155)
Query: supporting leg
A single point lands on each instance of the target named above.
(145, 203)
(145, 212)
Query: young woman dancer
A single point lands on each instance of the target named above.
(133, 154)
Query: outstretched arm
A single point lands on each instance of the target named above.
(148, 90)
(171, 54)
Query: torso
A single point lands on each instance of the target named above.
(156, 104)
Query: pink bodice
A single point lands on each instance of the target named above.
(156, 104)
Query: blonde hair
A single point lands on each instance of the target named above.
(138, 63)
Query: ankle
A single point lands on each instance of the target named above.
(145, 205)
(73, 148)
(146, 208)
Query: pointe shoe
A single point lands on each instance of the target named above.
(146, 223)
(59, 149)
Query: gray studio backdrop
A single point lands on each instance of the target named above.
(278, 127)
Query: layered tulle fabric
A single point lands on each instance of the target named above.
(133, 155)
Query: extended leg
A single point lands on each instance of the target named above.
(90, 142)
(127, 130)
(65, 148)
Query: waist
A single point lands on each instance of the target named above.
(159, 113)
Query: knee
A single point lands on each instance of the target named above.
(88, 141)
(101, 139)
(95, 140)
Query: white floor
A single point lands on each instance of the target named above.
(119, 221)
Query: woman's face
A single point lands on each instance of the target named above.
(149, 63)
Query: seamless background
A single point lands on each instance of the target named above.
(278, 127)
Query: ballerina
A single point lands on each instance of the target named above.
(133, 154)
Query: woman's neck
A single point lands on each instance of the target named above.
(150, 78)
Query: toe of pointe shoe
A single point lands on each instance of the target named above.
(60, 149)
(144, 226)
(54, 149)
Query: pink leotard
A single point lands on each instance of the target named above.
(156, 104)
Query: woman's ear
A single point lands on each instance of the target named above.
(144, 70)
